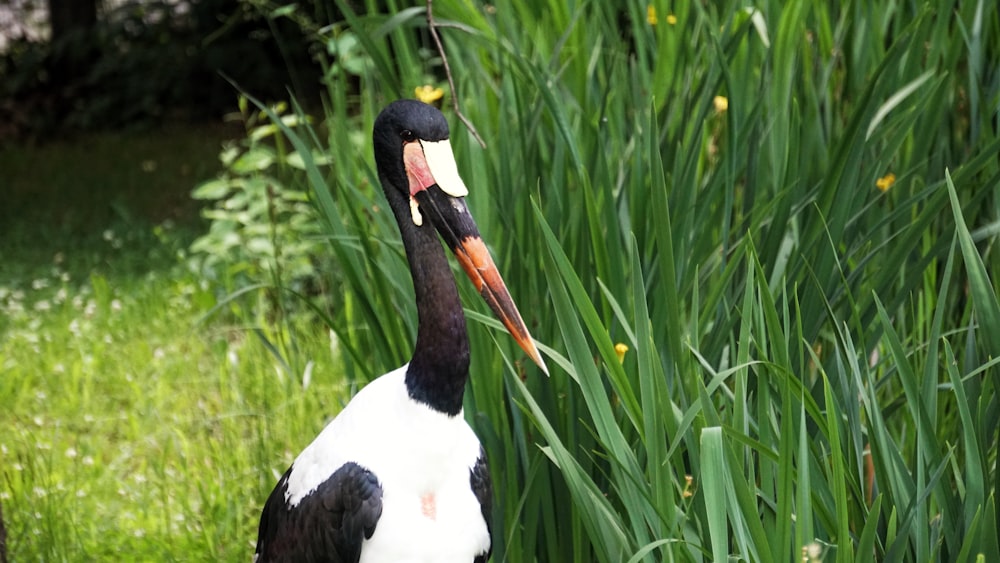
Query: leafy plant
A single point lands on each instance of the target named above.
(263, 247)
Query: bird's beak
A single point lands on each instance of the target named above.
(437, 191)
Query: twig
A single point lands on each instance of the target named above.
(447, 71)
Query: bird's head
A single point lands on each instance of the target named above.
(413, 153)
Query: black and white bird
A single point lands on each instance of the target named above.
(398, 475)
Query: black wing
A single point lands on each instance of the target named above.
(482, 486)
(328, 525)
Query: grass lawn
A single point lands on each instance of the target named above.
(132, 431)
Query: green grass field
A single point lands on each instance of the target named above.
(789, 217)
(131, 412)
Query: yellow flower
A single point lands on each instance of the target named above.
(885, 182)
(651, 15)
(688, 487)
(671, 19)
(721, 104)
(620, 350)
(428, 94)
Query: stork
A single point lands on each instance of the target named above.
(398, 475)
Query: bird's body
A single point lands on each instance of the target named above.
(399, 476)
(424, 465)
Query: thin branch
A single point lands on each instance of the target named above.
(447, 71)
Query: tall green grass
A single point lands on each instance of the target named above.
(793, 330)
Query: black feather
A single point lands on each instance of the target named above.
(327, 526)
(482, 486)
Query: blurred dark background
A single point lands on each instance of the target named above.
(68, 66)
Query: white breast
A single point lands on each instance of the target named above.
(421, 457)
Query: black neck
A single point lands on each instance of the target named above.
(440, 364)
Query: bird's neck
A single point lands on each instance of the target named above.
(440, 365)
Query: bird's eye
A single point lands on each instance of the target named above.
(408, 136)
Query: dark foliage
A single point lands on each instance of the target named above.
(142, 63)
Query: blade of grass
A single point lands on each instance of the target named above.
(713, 486)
